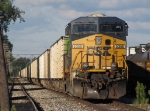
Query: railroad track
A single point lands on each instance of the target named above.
(20, 98)
(52, 100)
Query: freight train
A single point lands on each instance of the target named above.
(139, 66)
(89, 62)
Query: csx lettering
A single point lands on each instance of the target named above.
(94, 50)
(97, 51)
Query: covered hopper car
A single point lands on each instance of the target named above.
(88, 62)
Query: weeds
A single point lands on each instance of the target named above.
(13, 108)
(141, 100)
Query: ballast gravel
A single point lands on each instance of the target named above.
(51, 101)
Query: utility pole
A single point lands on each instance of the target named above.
(4, 96)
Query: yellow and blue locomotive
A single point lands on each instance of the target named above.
(95, 58)
(88, 62)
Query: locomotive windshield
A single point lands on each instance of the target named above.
(89, 28)
(111, 28)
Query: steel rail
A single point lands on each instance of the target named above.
(12, 85)
(28, 96)
(36, 108)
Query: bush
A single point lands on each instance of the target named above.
(141, 99)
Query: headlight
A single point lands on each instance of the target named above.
(98, 40)
(85, 65)
(114, 66)
(120, 46)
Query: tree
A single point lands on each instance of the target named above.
(140, 95)
(19, 64)
(6, 41)
(9, 13)
(22, 62)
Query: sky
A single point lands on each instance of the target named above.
(45, 21)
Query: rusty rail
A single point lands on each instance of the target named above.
(27, 96)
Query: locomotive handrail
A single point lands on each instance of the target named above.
(74, 62)
(86, 54)
(72, 67)
(125, 66)
(82, 59)
(75, 59)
